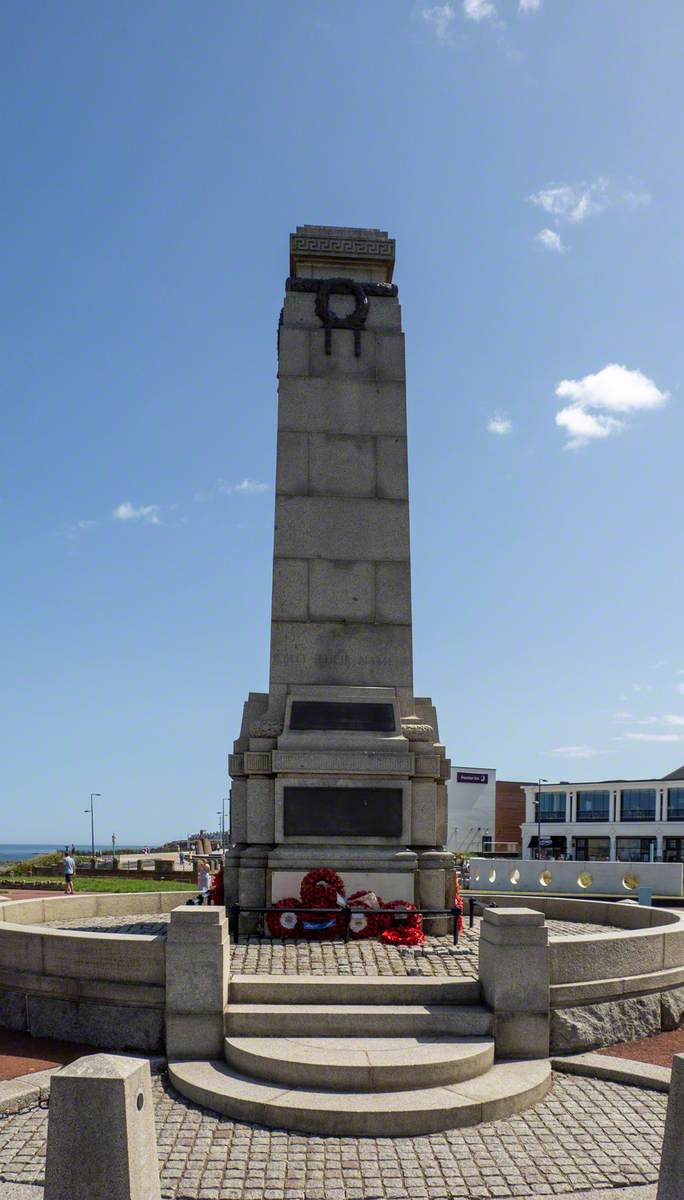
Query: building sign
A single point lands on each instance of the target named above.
(472, 777)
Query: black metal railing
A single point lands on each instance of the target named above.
(346, 911)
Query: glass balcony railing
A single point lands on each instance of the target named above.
(600, 814)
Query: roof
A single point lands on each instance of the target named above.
(678, 774)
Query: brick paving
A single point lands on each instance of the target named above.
(657, 1050)
(586, 1134)
(272, 956)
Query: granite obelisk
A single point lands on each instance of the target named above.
(338, 764)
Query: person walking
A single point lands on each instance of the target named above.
(69, 872)
(203, 879)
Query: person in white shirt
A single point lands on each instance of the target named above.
(203, 879)
(69, 872)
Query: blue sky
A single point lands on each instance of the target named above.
(528, 159)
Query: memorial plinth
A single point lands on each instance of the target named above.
(339, 764)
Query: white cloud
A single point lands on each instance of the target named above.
(441, 17)
(671, 719)
(581, 427)
(479, 10)
(680, 688)
(614, 389)
(73, 530)
(550, 240)
(527, 6)
(575, 751)
(623, 716)
(651, 737)
(573, 203)
(499, 424)
(147, 513)
(246, 487)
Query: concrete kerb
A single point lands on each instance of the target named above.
(615, 1070)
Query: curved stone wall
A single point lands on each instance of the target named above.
(98, 988)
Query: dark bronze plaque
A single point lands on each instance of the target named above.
(342, 714)
(342, 812)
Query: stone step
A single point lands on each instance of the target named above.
(360, 1064)
(505, 1089)
(335, 989)
(356, 1020)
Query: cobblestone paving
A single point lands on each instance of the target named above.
(585, 1135)
(268, 956)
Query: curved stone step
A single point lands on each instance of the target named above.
(507, 1088)
(360, 1064)
(340, 989)
(356, 1020)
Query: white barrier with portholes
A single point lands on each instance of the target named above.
(600, 878)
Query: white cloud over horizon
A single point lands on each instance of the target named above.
(573, 203)
(528, 6)
(614, 389)
(246, 487)
(499, 424)
(674, 719)
(441, 17)
(550, 240)
(651, 737)
(148, 514)
(581, 751)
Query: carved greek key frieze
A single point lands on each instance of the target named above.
(382, 249)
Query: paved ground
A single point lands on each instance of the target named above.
(657, 1050)
(268, 956)
(21, 1054)
(585, 1135)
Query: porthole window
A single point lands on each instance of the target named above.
(585, 879)
(492, 875)
(515, 876)
(546, 878)
(630, 881)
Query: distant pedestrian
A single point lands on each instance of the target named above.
(69, 872)
(181, 857)
(203, 879)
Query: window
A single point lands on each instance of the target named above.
(552, 806)
(675, 804)
(638, 804)
(636, 849)
(673, 850)
(593, 806)
(587, 848)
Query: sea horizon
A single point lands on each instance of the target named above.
(9, 851)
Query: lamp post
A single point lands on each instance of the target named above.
(91, 810)
(541, 781)
(222, 814)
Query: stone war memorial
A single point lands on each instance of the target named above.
(339, 765)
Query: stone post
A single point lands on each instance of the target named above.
(433, 869)
(515, 978)
(197, 968)
(671, 1178)
(101, 1136)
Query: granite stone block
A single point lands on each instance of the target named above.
(341, 465)
(345, 406)
(392, 470)
(341, 590)
(292, 468)
(393, 593)
(290, 589)
(340, 527)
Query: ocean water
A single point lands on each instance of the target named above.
(17, 851)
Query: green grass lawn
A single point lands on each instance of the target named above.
(101, 885)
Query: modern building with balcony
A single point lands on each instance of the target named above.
(623, 820)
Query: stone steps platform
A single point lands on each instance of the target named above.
(368, 989)
(356, 1064)
(357, 1020)
(504, 1089)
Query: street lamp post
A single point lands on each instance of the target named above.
(91, 810)
(541, 781)
(222, 814)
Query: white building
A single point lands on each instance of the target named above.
(471, 809)
(628, 820)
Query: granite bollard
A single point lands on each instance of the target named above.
(101, 1135)
(671, 1178)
